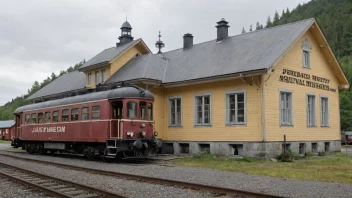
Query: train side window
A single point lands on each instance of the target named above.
(131, 109)
(47, 117)
(74, 114)
(85, 113)
(142, 110)
(28, 119)
(40, 117)
(95, 112)
(150, 111)
(65, 116)
(56, 116)
(34, 118)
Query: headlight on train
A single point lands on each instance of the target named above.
(130, 133)
(143, 125)
(155, 133)
(143, 133)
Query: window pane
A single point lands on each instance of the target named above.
(95, 112)
(206, 117)
(34, 118)
(131, 110)
(200, 118)
(240, 115)
(27, 118)
(85, 113)
(65, 117)
(40, 117)
(142, 110)
(150, 111)
(47, 116)
(56, 116)
(74, 114)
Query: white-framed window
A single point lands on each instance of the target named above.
(89, 78)
(97, 77)
(324, 111)
(235, 107)
(103, 75)
(311, 118)
(175, 111)
(286, 118)
(202, 109)
(306, 48)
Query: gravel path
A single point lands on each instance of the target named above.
(270, 185)
(9, 189)
(128, 188)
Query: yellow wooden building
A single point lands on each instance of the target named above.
(236, 95)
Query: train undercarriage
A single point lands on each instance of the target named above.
(111, 149)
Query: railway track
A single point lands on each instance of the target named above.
(160, 181)
(51, 185)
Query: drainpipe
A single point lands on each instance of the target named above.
(263, 109)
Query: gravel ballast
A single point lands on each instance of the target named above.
(10, 189)
(270, 185)
(128, 188)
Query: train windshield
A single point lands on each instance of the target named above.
(150, 111)
(143, 110)
(131, 110)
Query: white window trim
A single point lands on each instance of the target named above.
(314, 110)
(321, 113)
(306, 47)
(227, 121)
(169, 111)
(210, 109)
(292, 108)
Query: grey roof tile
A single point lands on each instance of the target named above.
(71, 81)
(7, 124)
(107, 55)
(246, 52)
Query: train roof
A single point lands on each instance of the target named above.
(120, 92)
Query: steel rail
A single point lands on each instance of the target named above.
(161, 181)
(55, 193)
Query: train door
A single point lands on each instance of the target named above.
(18, 126)
(117, 115)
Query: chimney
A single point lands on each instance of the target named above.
(222, 30)
(187, 41)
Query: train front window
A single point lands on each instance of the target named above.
(34, 118)
(85, 113)
(74, 114)
(28, 119)
(117, 110)
(142, 110)
(65, 116)
(95, 112)
(150, 111)
(40, 117)
(47, 117)
(131, 110)
(55, 116)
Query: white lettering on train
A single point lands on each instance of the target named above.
(48, 129)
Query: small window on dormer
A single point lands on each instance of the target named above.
(306, 48)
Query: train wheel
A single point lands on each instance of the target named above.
(105, 158)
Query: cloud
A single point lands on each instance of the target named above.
(39, 37)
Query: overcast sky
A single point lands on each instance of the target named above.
(38, 37)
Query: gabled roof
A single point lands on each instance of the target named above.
(252, 51)
(107, 55)
(7, 124)
(71, 81)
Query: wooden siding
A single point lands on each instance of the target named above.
(300, 131)
(218, 131)
(125, 57)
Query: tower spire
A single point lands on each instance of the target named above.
(159, 44)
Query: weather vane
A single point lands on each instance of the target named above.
(159, 44)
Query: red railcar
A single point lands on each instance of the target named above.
(112, 123)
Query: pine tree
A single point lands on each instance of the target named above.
(276, 19)
(243, 31)
(268, 22)
(251, 28)
(261, 27)
(257, 26)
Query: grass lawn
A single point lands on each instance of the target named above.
(5, 142)
(332, 168)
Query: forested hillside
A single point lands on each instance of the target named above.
(6, 111)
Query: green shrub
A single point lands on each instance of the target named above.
(287, 156)
(308, 154)
(321, 153)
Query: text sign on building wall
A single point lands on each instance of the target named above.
(60, 129)
(303, 79)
